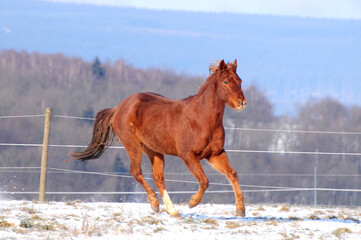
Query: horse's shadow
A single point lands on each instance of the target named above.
(196, 216)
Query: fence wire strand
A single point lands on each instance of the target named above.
(22, 116)
(191, 192)
(227, 150)
(60, 170)
(227, 128)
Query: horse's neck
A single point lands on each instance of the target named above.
(208, 107)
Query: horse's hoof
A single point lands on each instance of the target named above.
(192, 203)
(176, 215)
(241, 213)
(155, 208)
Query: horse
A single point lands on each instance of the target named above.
(190, 128)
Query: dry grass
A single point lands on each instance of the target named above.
(89, 229)
(241, 232)
(313, 217)
(290, 236)
(255, 214)
(73, 203)
(232, 225)
(21, 231)
(6, 224)
(28, 209)
(318, 212)
(210, 221)
(260, 208)
(151, 220)
(284, 208)
(341, 231)
(272, 223)
(73, 216)
(118, 217)
(159, 229)
(26, 223)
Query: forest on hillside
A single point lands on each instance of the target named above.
(30, 82)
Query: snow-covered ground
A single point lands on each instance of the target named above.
(79, 220)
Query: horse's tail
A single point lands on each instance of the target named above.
(103, 135)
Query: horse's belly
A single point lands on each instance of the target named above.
(158, 139)
(164, 146)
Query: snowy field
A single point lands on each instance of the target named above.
(79, 220)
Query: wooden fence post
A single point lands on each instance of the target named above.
(44, 156)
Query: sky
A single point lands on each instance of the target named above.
(334, 9)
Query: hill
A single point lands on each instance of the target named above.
(290, 59)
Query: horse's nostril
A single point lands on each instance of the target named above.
(240, 102)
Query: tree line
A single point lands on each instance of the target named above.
(30, 82)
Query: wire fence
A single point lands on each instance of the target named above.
(257, 188)
(227, 150)
(124, 175)
(226, 128)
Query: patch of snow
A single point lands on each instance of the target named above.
(103, 220)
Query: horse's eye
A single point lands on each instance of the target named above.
(225, 82)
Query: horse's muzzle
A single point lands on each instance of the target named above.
(241, 104)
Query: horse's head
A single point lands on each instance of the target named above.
(229, 84)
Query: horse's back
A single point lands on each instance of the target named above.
(141, 103)
(150, 118)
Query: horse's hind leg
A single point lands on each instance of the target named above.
(157, 161)
(135, 156)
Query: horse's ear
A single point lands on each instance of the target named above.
(235, 65)
(222, 65)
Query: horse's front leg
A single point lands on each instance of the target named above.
(221, 163)
(195, 167)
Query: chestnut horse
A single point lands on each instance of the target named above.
(190, 128)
